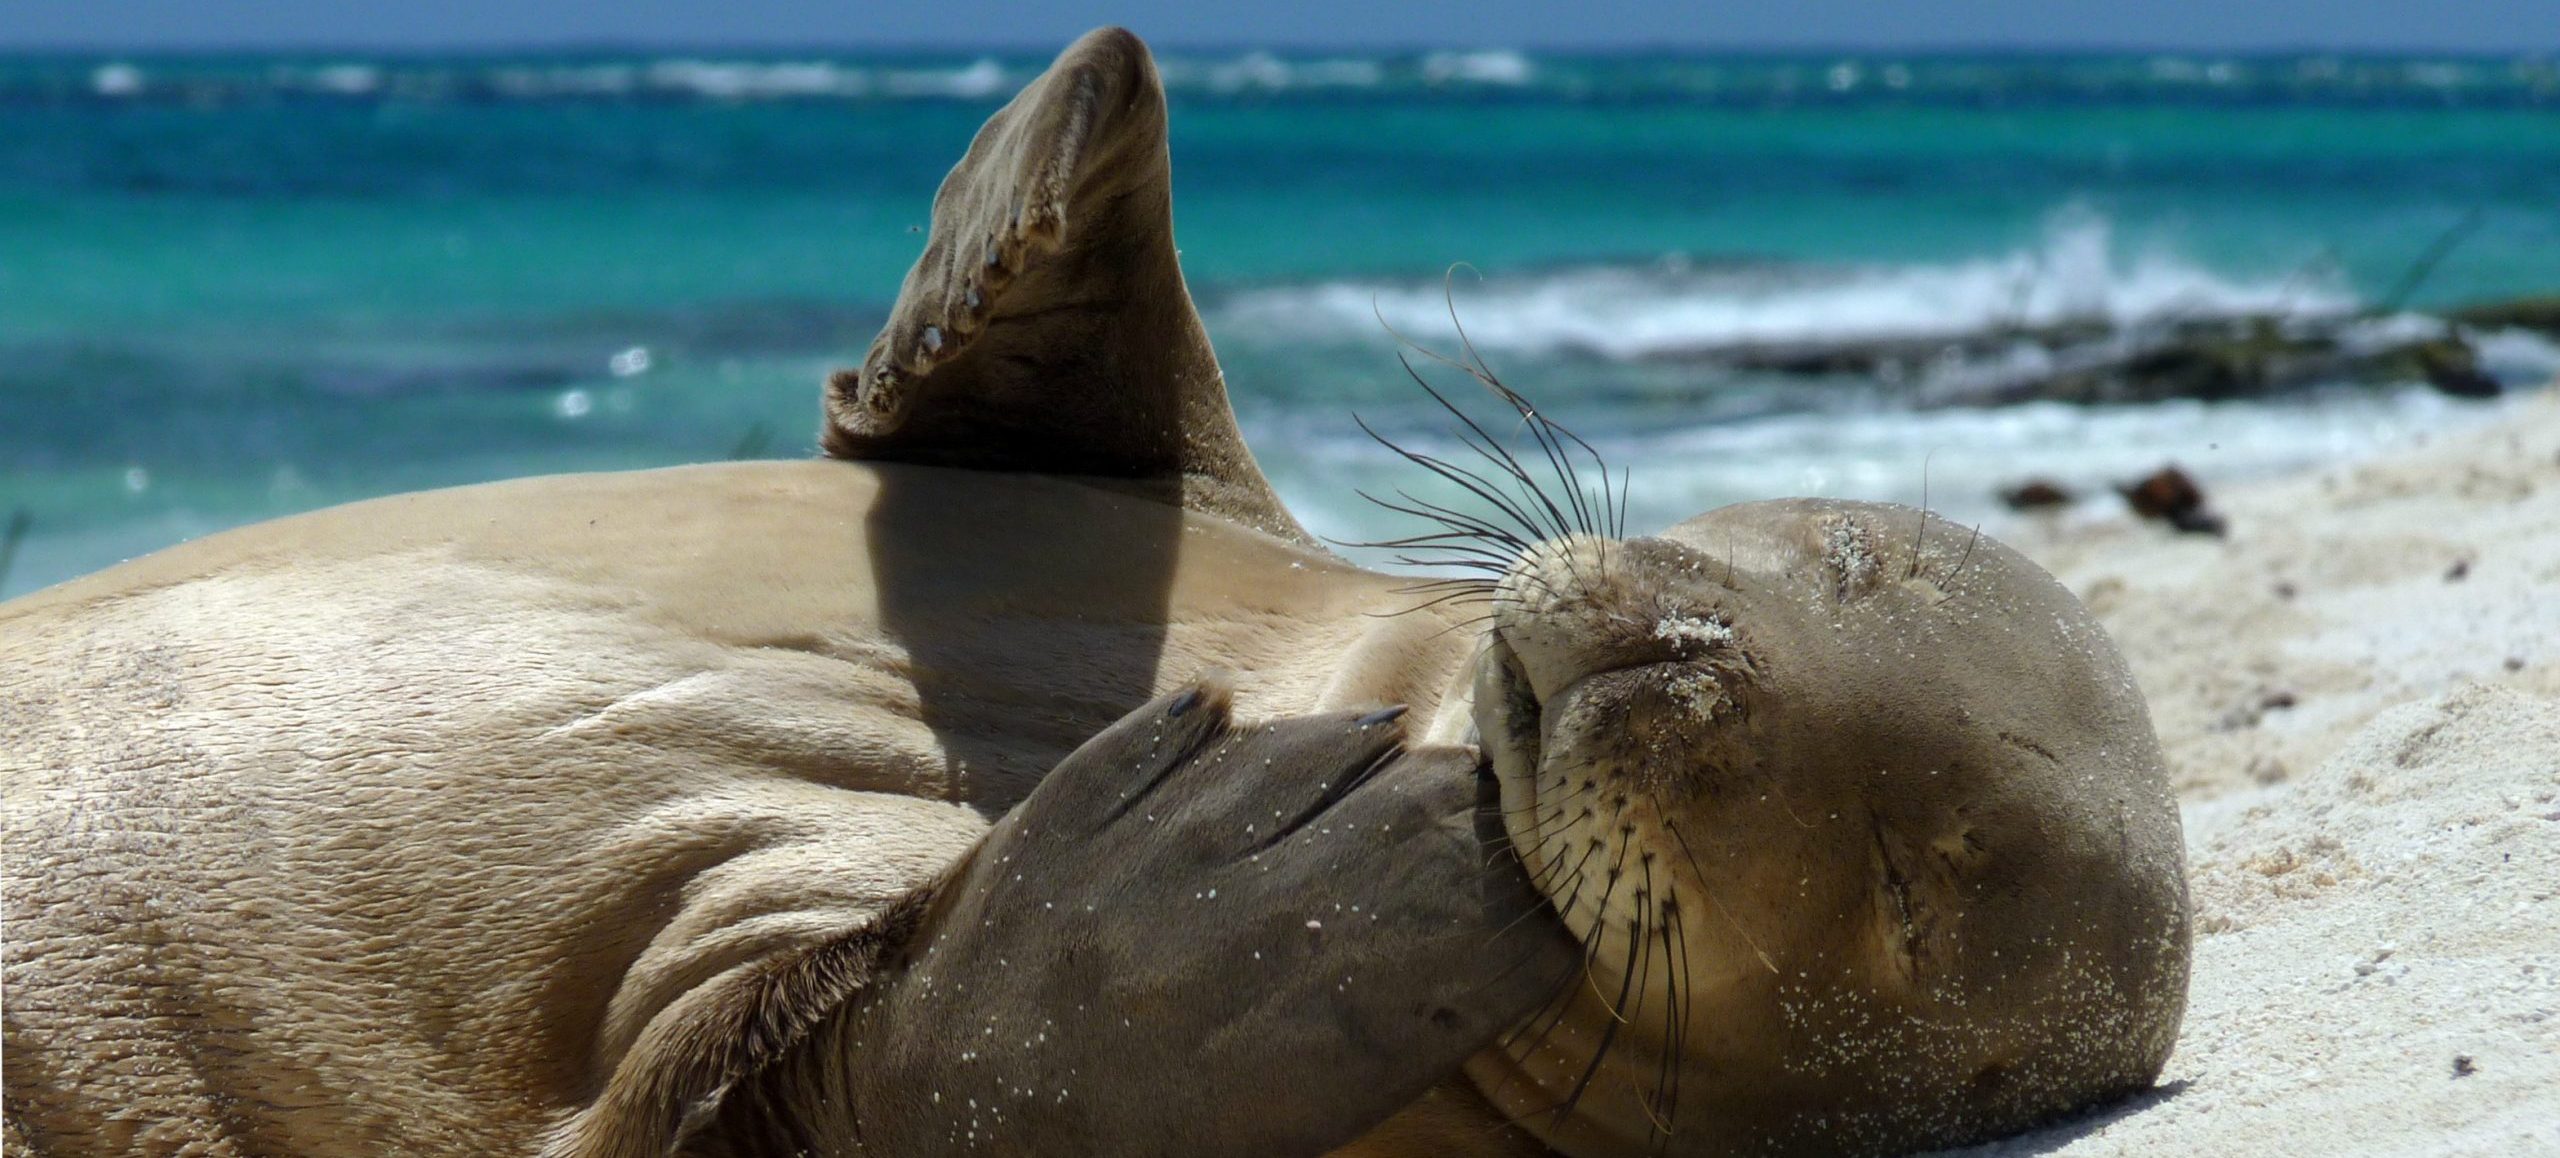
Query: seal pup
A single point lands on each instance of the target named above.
(664, 677)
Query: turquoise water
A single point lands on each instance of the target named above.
(232, 288)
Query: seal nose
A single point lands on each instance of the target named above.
(1551, 606)
(1572, 607)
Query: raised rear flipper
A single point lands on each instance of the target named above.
(1046, 327)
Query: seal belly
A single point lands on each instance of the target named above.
(449, 792)
(273, 854)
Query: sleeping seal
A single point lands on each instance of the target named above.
(605, 814)
(1866, 836)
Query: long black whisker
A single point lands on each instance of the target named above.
(1460, 562)
(1454, 597)
(1600, 915)
(1676, 932)
(1608, 1035)
(1644, 967)
(1436, 537)
(1544, 430)
(1618, 529)
(1561, 1002)
(1444, 517)
(1551, 877)
(1541, 431)
(1591, 948)
(1493, 451)
(1481, 528)
(1479, 486)
(1473, 488)
(1922, 536)
(1553, 436)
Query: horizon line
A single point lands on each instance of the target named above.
(577, 46)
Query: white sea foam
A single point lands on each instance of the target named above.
(744, 80)
(116, 79)
(1493, 66)
(2518, 355)
(1269, 73)
(2527, 79)
(347, 79)
(981, 78)
(1955, 459)
(565, 80)
(754, 80)
(2078, 271)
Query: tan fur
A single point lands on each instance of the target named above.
(1051, 275)
(457, 794)
(536, 815)
(1862, 822)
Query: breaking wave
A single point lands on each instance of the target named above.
(1675, 307)
(1954, 460)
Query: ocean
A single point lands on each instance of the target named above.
(235, 287)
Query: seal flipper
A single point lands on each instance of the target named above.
(1047, 327)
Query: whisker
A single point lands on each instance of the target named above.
(1545, 430)
(1608, 1035)
(1457, 520)
(1421, 585)
(1581, 511)
(1675, 934)
(1460, 596)
(1618, 529)
(1600, 922)
(1560, 1003)
(1706, 888)
(1467, 481)
(1541, 430)
(1922, 536)
(1574, 873)
(1459, 537)
(1958, 573)
(1644, 968)
(1493, 451)
(1446, 518)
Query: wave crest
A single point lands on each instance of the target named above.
(1676, 308)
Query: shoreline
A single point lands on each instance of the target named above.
(2339, 592)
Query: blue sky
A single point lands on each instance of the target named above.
(2492, 26)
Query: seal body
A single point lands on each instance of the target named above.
(457, 791)
(549, 815)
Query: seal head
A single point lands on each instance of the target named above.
(1860, 820)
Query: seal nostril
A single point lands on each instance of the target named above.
(1382, 715)
(1184, 703)
(1445, 1018)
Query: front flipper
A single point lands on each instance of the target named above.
(1046, 327)
(1197, 936)
(1200, 936)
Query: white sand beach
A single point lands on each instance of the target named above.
(2359, 694)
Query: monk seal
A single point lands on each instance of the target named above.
(478, 820)
(1866, 836)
